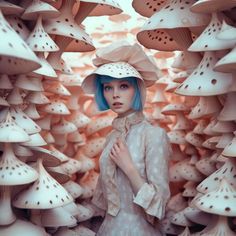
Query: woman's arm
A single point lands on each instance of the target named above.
(121, 156)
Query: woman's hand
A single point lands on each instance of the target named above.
(121, 156)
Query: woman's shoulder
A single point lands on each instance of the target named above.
(150, 129)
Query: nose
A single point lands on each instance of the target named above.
(116, 93)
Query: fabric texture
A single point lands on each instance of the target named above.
(126, 214)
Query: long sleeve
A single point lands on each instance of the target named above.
(98, 200)
(154, 194)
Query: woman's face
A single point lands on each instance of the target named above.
(119, 96)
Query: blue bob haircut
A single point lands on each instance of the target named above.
(99, 96)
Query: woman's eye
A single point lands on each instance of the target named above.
(124, 86)
(107, 88)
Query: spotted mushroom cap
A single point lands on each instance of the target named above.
(206, 166)
(57, 217)
(93, 147)
(200, 126)
(220, 201)
(190, 173)
(37, 97)
(63, 127)
(73, 188)
(194, 139)
(56, 107)
(228, 171)
(227, 32)
(13, 61)
(180, 219)
(27, 82)
(148, 7)
(182, 123)
(181, 16)
(204, 81)
(227, 63)
(174, 108)
(15, 97)
(190, 189)
(104, 7)
(13, 171)
(208, 41)
(45, 193)
(11, 132)
(209, 6)
(35, 140)
(206, 107)
(101, 124)
(177, 136)
(21, 119)
(65, 25)
(39, 8)
(229, 150)
(157, 39)
(84, 213)
(18, 25)
(5, 82)
(31, 111)
(224, 140)
(71, 166)
(39, 40)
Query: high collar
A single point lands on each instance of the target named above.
(123, 124)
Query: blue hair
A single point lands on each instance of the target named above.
(99, 96)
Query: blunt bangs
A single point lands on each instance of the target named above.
(100, 80)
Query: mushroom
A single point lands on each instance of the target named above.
(228, 171)
(13, 61)
(45, 193)
(215, 83)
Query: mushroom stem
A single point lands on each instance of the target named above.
(8, 216)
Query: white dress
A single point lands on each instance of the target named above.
(126, 214)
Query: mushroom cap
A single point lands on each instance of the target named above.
(229, 150)
(13, 61)
(37, 97)
(82, 230)
(206, 166)
(201, 125)
(13, 171)
(39, 8)
(32, 112)
(15, 97)
(228, 171)
(227, 32)
(182, 123)
(148, 7)
(57, 107)
(224, 140)
(93, 147)
(209, 6)
(39, 40)
(101, 124)
(104, 7)
(227, 63)
(174, 108)
(177, 203)
(190, 189)
(20, 227)
(177, 136)
(35, 140)
(11, 132)
(204, 81)
(208, 40)
(18, 25)
(57, 217)
(220, 201)
(180, 12)
(180, 219)
(28, 83)
(45, 193)
(194, 139)
(206, 107)
(228, 113)
(8, 8)
(56, 87)
(21, 119)
(71, 166)
(63, 127)
(73, 188)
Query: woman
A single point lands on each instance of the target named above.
(132, 188)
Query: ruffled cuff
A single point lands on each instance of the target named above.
(151, 201)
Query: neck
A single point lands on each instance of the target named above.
(126, 113)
